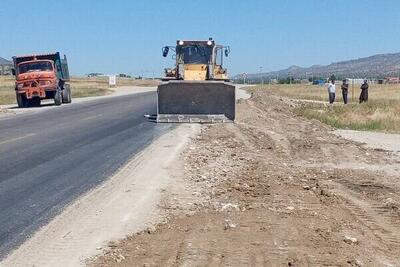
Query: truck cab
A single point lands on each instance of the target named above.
(40, 77)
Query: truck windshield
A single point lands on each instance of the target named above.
(35, 67)
(195, 54)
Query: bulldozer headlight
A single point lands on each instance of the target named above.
(181, 42)
(209, 42)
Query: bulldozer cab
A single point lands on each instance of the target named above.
(194, 53)
(197, 60)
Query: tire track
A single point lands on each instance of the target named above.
(376, 217)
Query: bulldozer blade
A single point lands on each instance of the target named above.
(196, 101)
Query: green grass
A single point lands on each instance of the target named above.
(381, 113)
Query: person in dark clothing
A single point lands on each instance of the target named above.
(364, 92)
(345, 91)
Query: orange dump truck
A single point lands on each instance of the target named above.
(41, 77)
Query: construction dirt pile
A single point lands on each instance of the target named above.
(274, 189)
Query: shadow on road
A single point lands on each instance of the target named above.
(41, 106)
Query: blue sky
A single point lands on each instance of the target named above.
(125, 36)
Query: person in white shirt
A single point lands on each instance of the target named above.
(332, 91)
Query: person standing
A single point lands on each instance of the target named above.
(345, 91)
(364, 92)
(332, 91)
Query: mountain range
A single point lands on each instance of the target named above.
(4, 61)
(377, 66)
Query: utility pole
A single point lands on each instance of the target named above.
(307, 75)
(352, 89)
(398, 78)
(262, 78)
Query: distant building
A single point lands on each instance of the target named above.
(392, 80)
(96, 74)
(305, 81)
(5, 66)
(123, 75)
(319, 82)
(357, 81)
(274, 81)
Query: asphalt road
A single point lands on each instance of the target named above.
(49, 158)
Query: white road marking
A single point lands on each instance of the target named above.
(91, 117)
(16, 138)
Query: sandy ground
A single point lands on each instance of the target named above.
(273, 189)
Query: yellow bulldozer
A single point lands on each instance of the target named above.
(197, 89)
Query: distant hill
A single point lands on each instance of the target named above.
(377, 66)
(4, 61)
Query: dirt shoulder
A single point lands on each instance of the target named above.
(273, 189)
(127, 202)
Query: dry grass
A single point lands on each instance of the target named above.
(7, 92)
(315, 92)
(381, 113)
(81, 87)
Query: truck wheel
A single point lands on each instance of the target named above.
(66, 94)
(57, 97)
(21, 100)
